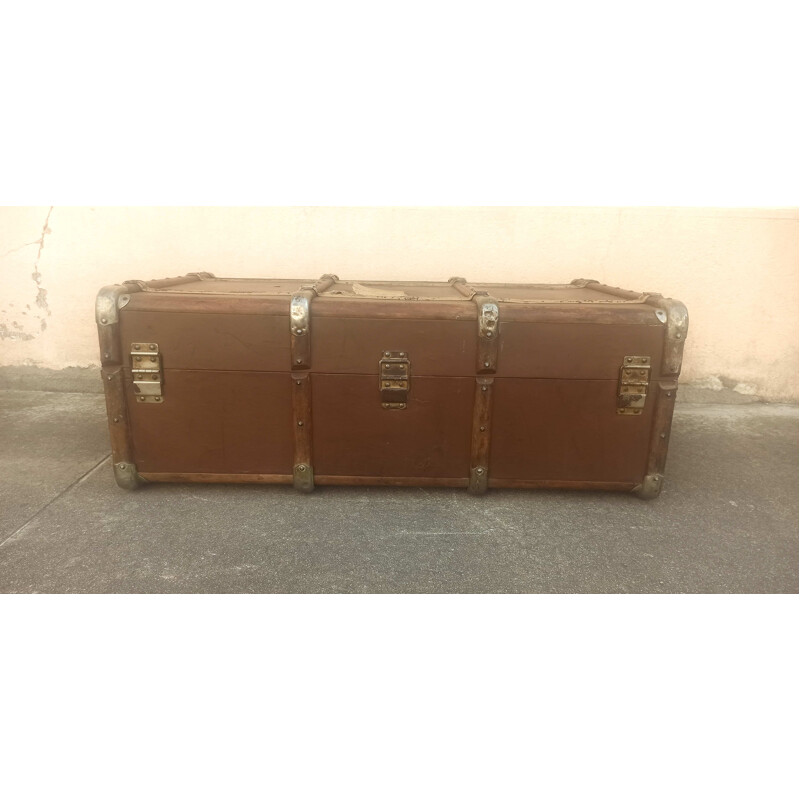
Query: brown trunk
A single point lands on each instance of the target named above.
(428, 384)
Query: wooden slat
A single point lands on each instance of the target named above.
(375, 480)
(598, 486)
(213, 477)
(301, 413)
(481, 435)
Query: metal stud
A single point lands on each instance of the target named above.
(483, 427)
(485, 363)
(479, 470)
(300, 423)
(137, 347)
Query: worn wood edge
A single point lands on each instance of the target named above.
(606, 486)
(214, 477)
(653, 481)
(376, 480)
(481, 435)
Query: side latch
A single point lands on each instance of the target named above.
(634, 378)
(146, 371)
(395, 369)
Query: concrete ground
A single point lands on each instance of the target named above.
(726, 522)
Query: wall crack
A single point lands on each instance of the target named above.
(15, 332)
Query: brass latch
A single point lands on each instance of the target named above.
(146, 370)
(634, 378)
(394, 379)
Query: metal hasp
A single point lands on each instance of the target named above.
(146, 371)
(634, 378)
(395, 369)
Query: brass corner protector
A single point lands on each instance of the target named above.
(109, 300)
(650, 487)
(478, 480)
(127, 476)
(303, 475)
(676, 318)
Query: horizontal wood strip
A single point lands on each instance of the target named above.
(372, 480)
(604, 486)
(213, 477)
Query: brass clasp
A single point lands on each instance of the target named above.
(395, 369)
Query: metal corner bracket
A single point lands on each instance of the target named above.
(478, 480)
(303, 475)
(127, 476)
(675, 316)
(110, 299)
(650, 487)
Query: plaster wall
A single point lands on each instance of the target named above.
(736, 269)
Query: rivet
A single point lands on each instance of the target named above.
(116, 419)
(298, 382)
(629, 359)
(488, 334)
(109, 377)
(483, 388)
(669, 394)
(301, 468)
(483, 427)
(300, 423)
(152, 358)
(663, 435)
(158, 399)
(152, 347)
(140, 399)
(138, 358)
(655, 477)
(677, 336)
(402, 355)
(122, 466)
(137, 347)
(485, 363)
(106, 355)
(299, 361)
(479, 470)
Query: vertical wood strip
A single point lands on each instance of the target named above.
(300, 334)
(662, 423)
(301, 412)
(481, 435)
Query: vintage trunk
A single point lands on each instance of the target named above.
(405, 384)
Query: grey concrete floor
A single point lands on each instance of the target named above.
(727, 521)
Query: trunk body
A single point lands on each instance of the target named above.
(417, 384)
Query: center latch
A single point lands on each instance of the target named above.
(395, 370)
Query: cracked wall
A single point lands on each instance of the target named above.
(736, 269)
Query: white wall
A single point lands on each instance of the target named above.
(736, 269)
